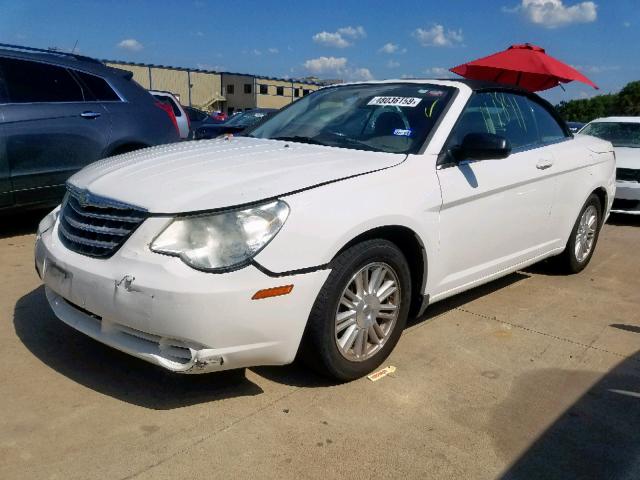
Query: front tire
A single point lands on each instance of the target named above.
(583, 238)
(360, 312)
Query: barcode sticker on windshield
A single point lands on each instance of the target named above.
(395, 101)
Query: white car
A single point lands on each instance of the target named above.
(324, 228)
(182, 119)
(624, 134)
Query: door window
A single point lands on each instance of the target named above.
(549, 130)
(500, 113)
(98, 87)
(34, 82)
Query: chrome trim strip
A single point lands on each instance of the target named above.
(96, 229)
(85, 197)
(85, 241)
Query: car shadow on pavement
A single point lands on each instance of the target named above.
(626, 327)
(298, 375)
(295, 375)
(596, 437)
(24, 223)
(114, 373)
(463, 298)
(622, 220)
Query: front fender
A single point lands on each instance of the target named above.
(324, 219)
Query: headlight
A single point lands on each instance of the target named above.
(48, 221)
(222, 241)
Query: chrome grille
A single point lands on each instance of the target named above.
(628, 174)
(96, 226)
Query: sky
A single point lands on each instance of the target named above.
(351, 40)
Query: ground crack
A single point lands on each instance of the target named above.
(207, 437)
(549, 335)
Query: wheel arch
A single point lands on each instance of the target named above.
(412, 247)
(602, 195)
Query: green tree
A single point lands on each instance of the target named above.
(628, 100)
(624, 103)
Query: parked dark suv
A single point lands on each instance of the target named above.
(60, 112)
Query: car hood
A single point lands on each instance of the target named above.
(627, 157)
(209, 174)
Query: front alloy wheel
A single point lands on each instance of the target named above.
(360, 311)
(368, 312)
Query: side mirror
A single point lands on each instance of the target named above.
(482, 146)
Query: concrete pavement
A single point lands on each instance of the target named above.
(533, 376)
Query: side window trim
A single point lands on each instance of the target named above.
(115, 90)
(83, 89)
(554, 115)
(443, 158)
(47, 64)
(76, 79)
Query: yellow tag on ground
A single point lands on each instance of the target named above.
(375, 376)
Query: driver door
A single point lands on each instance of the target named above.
(495, 214)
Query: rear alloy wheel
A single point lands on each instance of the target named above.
(360, 312)
(586, 234)
(584, 237)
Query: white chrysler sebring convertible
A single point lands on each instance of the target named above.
(321, 230)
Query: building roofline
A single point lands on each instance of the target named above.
(203, 70)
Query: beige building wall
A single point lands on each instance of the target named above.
(169, 80)
(140, 74)
(238, 100)
(305, 86)
(209, 90)
(272, 100)
(205, 87)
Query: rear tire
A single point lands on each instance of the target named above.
(584, 236)
(360, 312)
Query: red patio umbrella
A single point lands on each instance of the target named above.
(526, 66)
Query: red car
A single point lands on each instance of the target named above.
(219, 116)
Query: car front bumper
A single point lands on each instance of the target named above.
(627, 197)
(156, 308)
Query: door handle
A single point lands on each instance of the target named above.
(544, 164)
(89, 115)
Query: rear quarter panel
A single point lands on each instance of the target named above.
(583, 164)
(137, 120)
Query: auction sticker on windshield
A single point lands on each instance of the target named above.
(395, 101)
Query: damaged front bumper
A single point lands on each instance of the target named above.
(172, 354)
(156, 308)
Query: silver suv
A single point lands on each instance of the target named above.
(58, 113)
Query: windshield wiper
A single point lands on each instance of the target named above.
(300, 139)
(360, 145)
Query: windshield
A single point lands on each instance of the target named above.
(245, 119)
(388, 117)
(620, 134)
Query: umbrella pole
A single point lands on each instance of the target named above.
(518, 79)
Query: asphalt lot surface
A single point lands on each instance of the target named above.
(533, 376)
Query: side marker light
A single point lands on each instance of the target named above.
(272, 292)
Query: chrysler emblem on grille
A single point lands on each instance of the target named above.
(83, 199)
